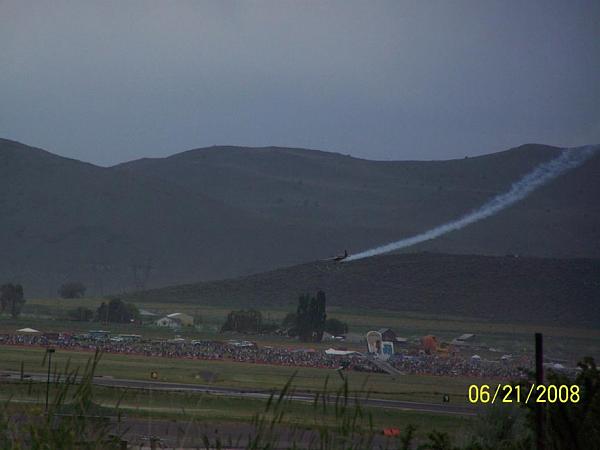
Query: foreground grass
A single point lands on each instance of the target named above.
(186, 407)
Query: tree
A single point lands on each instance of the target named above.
(310, 317)
(243, 321)
(336, 327)
(318, 316)
(81, 314)
(303, 325)
(117, 311)
(12, 299)
(73, 289)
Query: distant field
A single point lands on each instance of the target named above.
(561, 342)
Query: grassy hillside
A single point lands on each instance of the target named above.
(503, 289)
(359, 203)
(224, 212)
(311, 187)
(64, 219)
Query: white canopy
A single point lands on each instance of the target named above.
(27, 330)
(333, 351)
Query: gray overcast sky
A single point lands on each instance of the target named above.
(107, 82)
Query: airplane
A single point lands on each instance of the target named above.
(338, 258)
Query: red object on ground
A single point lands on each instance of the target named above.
(391, 431)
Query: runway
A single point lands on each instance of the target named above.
(438, 408)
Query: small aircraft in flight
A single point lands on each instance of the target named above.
(338, 258)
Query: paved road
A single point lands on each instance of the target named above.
(441, 408)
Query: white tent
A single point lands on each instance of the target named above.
(332, 351)
(27, 330)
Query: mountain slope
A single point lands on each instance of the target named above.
(498, 288)
(229, 211)
(313, 187)
(63, 220)
(391, 200)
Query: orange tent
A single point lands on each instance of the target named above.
(429, 344)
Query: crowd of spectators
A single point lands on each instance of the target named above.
(459, 365)
(203, 350)
(247, 352)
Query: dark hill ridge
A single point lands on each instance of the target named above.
(224, 212)
(502, 288)
(63, 220)
(397, 199)
(313, 187)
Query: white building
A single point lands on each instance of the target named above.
(175, 320)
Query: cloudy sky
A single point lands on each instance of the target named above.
(107, 82)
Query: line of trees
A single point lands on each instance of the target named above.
(243, 321)
(12, 300)
(308, 322)
(248, 321)
(115, 311)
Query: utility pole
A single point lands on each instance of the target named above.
(539, 380)
(49, 351)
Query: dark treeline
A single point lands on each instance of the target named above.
(115, 311)
(308, 322)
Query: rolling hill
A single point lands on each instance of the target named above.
(497, 288)
(223, 212)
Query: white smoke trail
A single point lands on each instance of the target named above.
(542, 174)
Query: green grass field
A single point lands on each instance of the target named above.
(244, 375)
(188, 407)
(205, 407)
